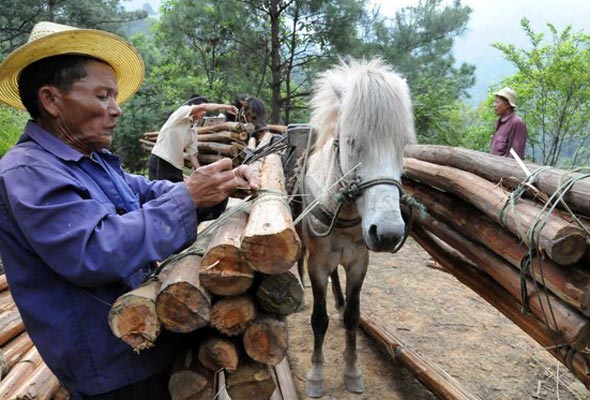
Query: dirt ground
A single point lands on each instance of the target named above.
(444, 322)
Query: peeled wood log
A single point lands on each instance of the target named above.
(6, 301)
(285, 382)
(228, 150)
(13, 351)
(571, 283)
(183, 305)
(564, 243)
(438, 381)
(61, 394)
(252, 381)
(270, 243)
(231, 315)
(503, 301)
(11, 324)
(3, 282)
(227, 126)
(218, 352)
(222, 136)
(225, 270)
(266, 340)
(277, 128)
(209, 158)
(40, 385)
(494, 169)
(574, 327)
(189, 380)
(279, 294)
(19, 373)
(133, 316)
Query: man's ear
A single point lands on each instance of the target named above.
(50, 100)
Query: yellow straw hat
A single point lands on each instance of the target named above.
(50, 39)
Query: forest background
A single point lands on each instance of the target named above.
(273, 49)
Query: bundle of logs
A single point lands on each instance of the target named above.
(23, 375)
(224, 140)
(228, 295)
(515, 233)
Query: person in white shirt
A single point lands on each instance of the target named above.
(178, 135)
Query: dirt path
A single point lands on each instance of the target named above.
(444, 322)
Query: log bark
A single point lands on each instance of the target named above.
(231, 315)
(574, 327)
(3, 282)
(438, 381)
(228, 150)
(227, 126)
(11, 324)
(13, 351)
(571, 283)
(133, 316)
(183, 305)
(504, 302)
(217, 352)
(279, 294)
(205, 159)
(189, 380)
(225, 270)
(495, 169)
(40, 385)
(564, 243)
(266, 340)
(223, 136)
(252, 381)
(19, 373)
(61, 394)
(270, 243)
(277, 128)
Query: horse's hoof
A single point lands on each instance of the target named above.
(314, 389)
(354, 384)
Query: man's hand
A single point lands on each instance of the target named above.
(211, 184)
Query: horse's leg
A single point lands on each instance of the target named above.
(318, 275)
(337, 292)
(355, 275)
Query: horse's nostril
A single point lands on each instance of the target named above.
(374, 233)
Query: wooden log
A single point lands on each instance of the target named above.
(3, 282)
(564, 243)
(266, 340)
(217, 352)
(438, 381)
(223, 136)
(277, 128)
(61, 394)
(547, 307)
(11, 324)
(285, 382)
(279, 294)
(19, 373)
(504, 302)
(571, 283)
(231, 315)
(228, 150)
(183, 305)
(146, 144)
(133, 316)
(252, 381)
(495, 169)
(189, 380)
(40, 385)
(205, 159)
(227, 126)
(6, 301)
(270, 243)
(225, 270)
(13, 351)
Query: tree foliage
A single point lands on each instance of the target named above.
(554, 93)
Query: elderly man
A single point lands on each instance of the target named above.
(76, 231)
(511, 130)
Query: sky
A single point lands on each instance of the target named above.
(491, 21)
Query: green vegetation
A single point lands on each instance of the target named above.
(12, 123)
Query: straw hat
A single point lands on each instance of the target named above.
(50, 39)
(509, 94)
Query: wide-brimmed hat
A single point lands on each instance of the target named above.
(509, 94)
(50, 39)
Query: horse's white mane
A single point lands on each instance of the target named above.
(366, 102)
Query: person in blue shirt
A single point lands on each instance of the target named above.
(76, 231)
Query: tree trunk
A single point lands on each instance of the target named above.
(266, 340)
(13, 351)
(133, 317)
(183, 305)
(189, 380)
(564, 243)
(40, 385)
(19, 373)
(222, 137)
(217, 352)
(11, 324)
(228, 150)
(226, 126)
(279, 294)
(231, 315)
(252, 381)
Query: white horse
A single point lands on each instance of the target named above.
(362, 119)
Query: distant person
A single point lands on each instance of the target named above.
(511, 130)
(178, 135)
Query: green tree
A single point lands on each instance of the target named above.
(554, 93)
(12, 123)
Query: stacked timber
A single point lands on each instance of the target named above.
(23, 374)
(226, 298)
(515, 233)
(224, 140)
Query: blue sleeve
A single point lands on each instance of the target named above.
(86, 241)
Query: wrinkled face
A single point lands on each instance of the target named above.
(501, 106)
(87, 114)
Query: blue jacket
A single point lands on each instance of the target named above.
(75, 234)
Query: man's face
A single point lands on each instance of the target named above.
(501, 106)
(89, 112)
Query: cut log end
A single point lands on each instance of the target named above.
(183, 309)
(272, 254)
(569, 247)
(136, 325)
